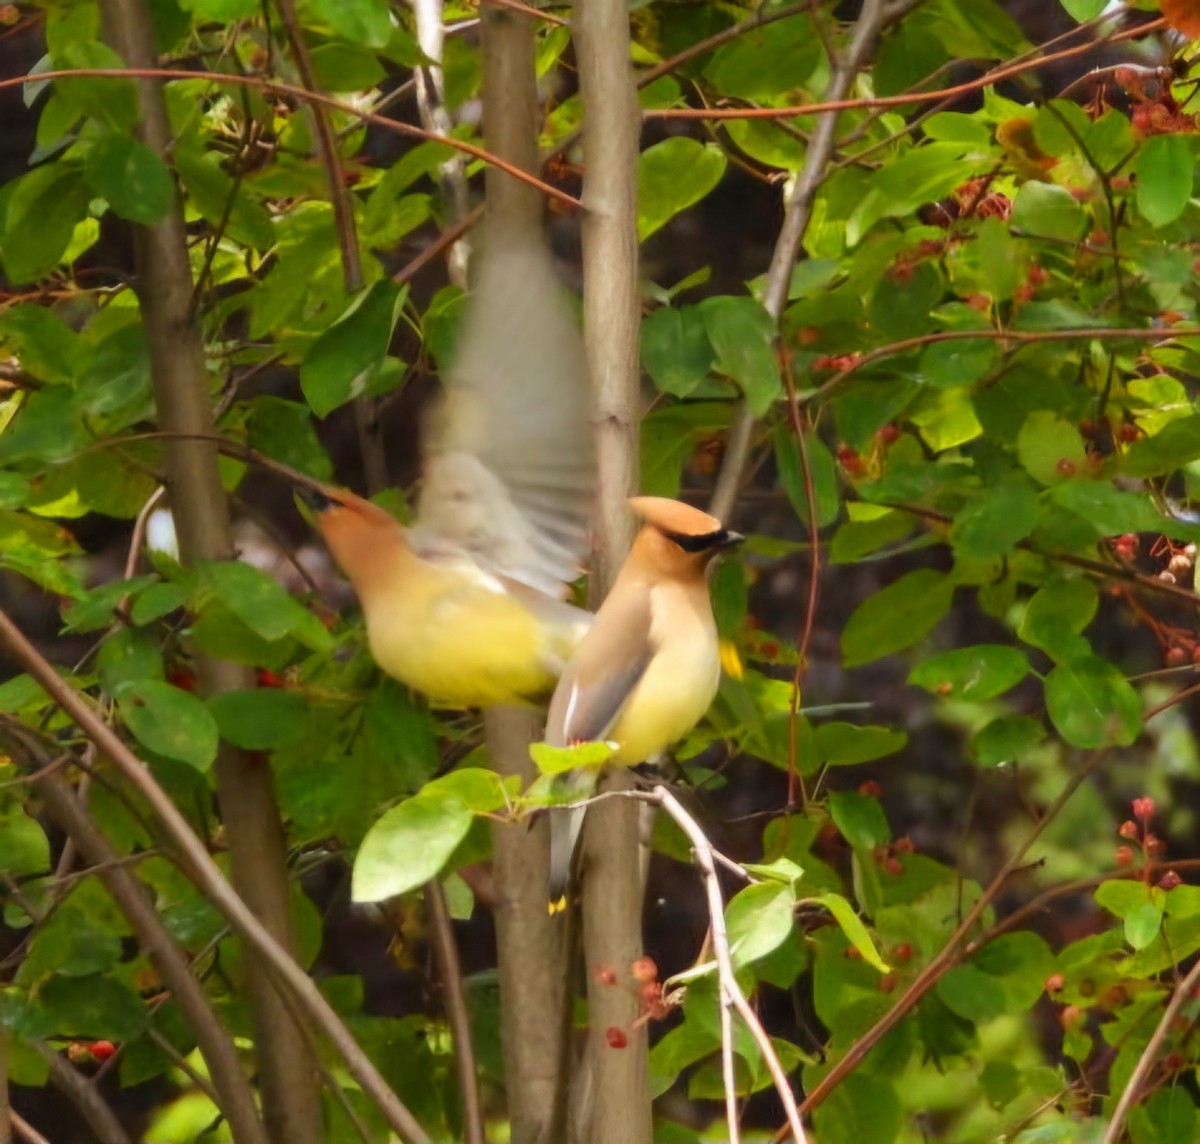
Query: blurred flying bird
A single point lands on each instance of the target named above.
(466, 605)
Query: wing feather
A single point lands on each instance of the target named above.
(509, 472)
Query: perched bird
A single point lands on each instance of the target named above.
(648, 668)
(466, 605)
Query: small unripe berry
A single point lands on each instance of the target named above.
(1143, 808)
(644, 969)
(1123, 857)
(1054, 983)
(1169, 881)
(615, 1037)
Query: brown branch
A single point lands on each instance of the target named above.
(208, 878)
(731, 992)
(761, 17)
(82, 1093)
(958, 945)
(446, 239)
(245, 787)
(797, 215)
(1180, 996)
(616, 1109)
(275, 87)
(25, 1130)
(5, 1105)
(1094, 567)
(996, 75)
(534, 1005)
(445, 951)
(234, 1096)
(1023, 337)
(949, 955)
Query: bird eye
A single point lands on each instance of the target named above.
(317, 500)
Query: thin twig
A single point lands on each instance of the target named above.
(996, 75)
(445, 950)
(25, 1130)
(208, 877)
(5, 1106)
(1179, 997)
(275, 87)
(82, 1093)
(731, 991)
(797, 216)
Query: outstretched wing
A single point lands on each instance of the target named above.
(509, 472)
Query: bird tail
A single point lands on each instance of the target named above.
(566, 824)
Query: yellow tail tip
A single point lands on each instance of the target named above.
(557, 907)
(731, 661)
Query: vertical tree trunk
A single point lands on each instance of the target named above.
(244, 787)
(614, 1107)
(531, 944)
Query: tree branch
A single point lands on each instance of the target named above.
(612, 890)
(208, 878)
(234, 1096)
(450, 974)
(797, 215)
(531, 947)
(245, 789)
(82, 1093)
(732, 996)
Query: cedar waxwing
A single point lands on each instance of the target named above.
(466, 605)
(648, 668)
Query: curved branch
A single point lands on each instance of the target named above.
(208, 877)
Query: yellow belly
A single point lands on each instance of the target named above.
(462, 644)
(669, 700)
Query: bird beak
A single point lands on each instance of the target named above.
(731, 539)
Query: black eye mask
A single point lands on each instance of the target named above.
(317, 501)
(722, 538)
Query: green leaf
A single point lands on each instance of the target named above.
(1164, 178)
(24, 848)
(845, 744)
(993, 523)
(1110, 509)
(261, 719)
(284, 431)
(73, 944)
(860, 819)
(1083, 10)
(852, 926)
(1167, 1116)
(42, 209)
(365, 22)
(766, 63)
(675, 349)
(157, 601)
(759, 920)
(821, 469)
(110, 99)
(896, 617)
(960, 361)
(559, 760)
(412, 842)
(1091, 704)
(339, 365)
(973, 673)
(1048, 211)
(859, 538)
(1142, 924)
(1050, 448)
(1005, 740)
(133, 179)
(345, 68)
(972, 994)
(89, 1007)
(743, 337)
(169, 722)
(672, 176)
(260, 603)
(899, 187)
(1176, 444)
(1056, 614)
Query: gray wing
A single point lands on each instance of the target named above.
(604, 670)
(509, 470)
